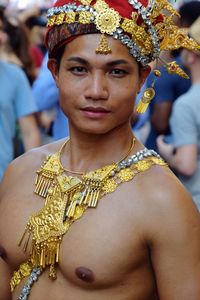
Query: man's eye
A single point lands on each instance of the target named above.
(118, 72)
(78, 69)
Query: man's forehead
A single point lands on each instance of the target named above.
(84, 47)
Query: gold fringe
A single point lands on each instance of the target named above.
(43, 183)
(71, 209)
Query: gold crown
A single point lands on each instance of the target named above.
(149, 31)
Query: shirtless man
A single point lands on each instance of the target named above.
(142, 241)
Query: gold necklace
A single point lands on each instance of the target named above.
(67, 198)
(82, 173)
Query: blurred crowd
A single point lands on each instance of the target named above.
(30, 114)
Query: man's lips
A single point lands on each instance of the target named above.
(95, 112)
(95, 109)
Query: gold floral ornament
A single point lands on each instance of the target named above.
(126, 175)
(107, 21)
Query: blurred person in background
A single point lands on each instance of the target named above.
(183, 156)
(16, 105)
(48, 103)
(16, 48)
(169, 87)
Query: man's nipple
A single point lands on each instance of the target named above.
(2, 252)
(84, 274)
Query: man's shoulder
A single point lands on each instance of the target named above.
(24, 167)
(162, 200)
(160, 190)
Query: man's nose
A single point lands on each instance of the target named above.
(97, 88)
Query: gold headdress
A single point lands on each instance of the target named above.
(145, 27)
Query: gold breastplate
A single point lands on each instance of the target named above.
(66, 199)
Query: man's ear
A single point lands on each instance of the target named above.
(53, 67)
(144, 72)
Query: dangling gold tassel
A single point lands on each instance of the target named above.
(148, 95)
(103, 47)
(52, 272)
(143, 104)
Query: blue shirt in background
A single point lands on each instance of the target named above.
(16, 101)
(46, 96)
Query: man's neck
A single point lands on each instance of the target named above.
(86, 152)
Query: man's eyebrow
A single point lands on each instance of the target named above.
(118, 62)
(109, 64)
(78, 59)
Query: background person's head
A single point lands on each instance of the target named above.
(191, 59)
(189, 12)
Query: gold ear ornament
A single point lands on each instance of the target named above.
(148, 95)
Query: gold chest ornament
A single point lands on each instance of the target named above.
(66, 199)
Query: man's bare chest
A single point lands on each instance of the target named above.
(103, 237)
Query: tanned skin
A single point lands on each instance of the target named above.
(142, 242)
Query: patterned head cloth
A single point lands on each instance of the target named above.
(145, 27)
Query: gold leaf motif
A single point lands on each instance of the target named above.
(126, 175)
(143, 165)
(60, 18)
(158, 161)
(70, 17)
(68, 183)
(99, 174)
(129, 26)
(51, 21)
(52, 164)
(109, 186)
(84, 17)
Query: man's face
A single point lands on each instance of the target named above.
(97, 92)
